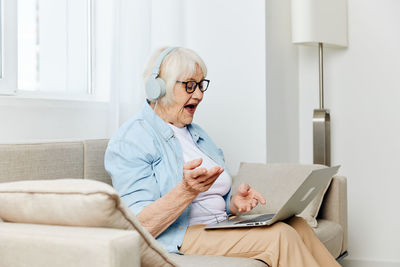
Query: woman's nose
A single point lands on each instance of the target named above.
(197, 94)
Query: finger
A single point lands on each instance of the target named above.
(210, 180)
(215, 170)
(254, 203)
(243, 189)
(259, 197)
(243, 207)
(190, 165)
(208, 183)
(248, 207)
(210, 173)
(196, 172)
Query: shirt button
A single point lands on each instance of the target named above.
(180, 228)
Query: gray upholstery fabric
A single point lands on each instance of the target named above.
(86, 160)
(41, 161)
(331, 234)
(334, 207)
(76, 202)
(94, 151)
(201, 261)
(33, 245)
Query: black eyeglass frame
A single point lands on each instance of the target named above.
(197, 84)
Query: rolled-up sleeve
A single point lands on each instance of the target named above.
(130, 165)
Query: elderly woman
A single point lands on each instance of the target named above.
(172, 176)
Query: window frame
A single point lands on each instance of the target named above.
(9, 60)
(8, 28)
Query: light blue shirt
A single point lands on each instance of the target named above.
(145, 161)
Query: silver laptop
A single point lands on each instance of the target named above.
(312, 185)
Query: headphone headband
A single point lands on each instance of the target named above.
(160, 58)
(155, 87)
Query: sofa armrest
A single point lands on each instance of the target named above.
(49, 245)
(334, 205)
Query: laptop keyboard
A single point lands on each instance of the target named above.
(264, 217)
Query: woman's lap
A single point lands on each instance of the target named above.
(254, 242)
(289, 243)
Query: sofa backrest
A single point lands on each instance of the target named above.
(93, 165)
(80, 159)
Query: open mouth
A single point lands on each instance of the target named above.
(190, 108)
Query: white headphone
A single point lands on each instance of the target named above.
(155, 86)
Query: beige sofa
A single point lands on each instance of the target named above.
(28, 244)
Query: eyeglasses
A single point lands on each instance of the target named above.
(191, 86)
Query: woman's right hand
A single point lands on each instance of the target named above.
(196, 180)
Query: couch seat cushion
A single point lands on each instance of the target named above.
(331, 234)
(35, 245)
(201, 261)
(76, 202)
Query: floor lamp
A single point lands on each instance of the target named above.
(321, 23)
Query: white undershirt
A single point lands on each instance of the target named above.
(208, 206)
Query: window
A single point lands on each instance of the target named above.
(8, 80)
(52, 47)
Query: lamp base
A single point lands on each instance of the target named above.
(322, 137)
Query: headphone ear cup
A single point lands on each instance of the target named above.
(162, 87)
(155, 88)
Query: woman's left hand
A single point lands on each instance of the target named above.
(245, 199)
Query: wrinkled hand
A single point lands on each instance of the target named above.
(245, 199)
(196, 180)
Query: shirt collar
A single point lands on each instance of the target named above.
(156, 122)
(162, 127)
(194, 132)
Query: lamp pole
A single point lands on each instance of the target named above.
(323, 23)
(321, 121)
(321, 75)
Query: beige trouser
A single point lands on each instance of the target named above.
(292, 243)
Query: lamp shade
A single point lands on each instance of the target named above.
(319, 21)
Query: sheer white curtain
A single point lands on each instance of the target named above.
(140, 26)
(131, 44)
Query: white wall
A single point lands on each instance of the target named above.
(362, 91)
(282, 85)
(230, 37)
(35, 120)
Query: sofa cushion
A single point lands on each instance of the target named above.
(41, 161)
(75, 202)
(220, 261)
(94, 151)
(331, 234)
(36, 245)
(277, 182)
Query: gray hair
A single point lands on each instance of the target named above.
(179, 64)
